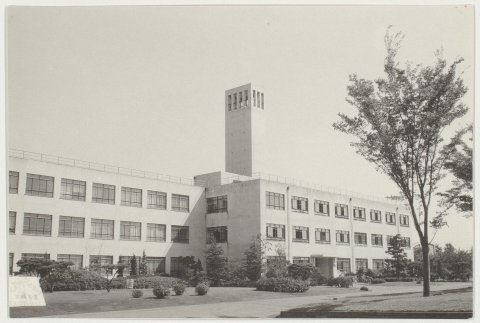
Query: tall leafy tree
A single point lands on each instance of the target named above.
(399, 124)
(398, 260)
(216, 263)
(254, 264)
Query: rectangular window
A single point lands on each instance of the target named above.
(235, 101)
(377, 240)
(37, 224)
(72, 227)
(240, 98)
(12, 221)
(361, 263)
(230, 102)
(403, 220)
(262, 101)
(375, 216)
(39, 185)
(246, 97)
(301, 260)
(177, 266)
(377, 264)
(275, 201)
(322, 207)
(406, 242)
(299, 204)
(103, 193)
(97, 261)
(127, 260)
(343, 237)
(77, 260)
(10, 263)
(254, 97)
(359, 213)
(131, 197)
(341, 210)
(343, 265)
(322, 235)
(45, 256)
(258, 99)
(219, 234)
(389, 240)
(156, 232)
(155, 265)
(101, 229)
(157, 200)
(180, 203)
(390, 218)
(180, 234)
(13, 182)
(300, 234)
(217, 204)
(73, 190)
(130, 230)
(275, 231)
(276, 259)
(360, 238)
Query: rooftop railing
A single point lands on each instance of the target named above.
(101, 167)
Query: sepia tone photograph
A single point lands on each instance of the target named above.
(239, 161)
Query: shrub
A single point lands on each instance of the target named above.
(152, 281)
(284, 285)
(160, 291)
(402, 279)
(317, 278)
(364, 288)
(202, 289)
(179, 287)
(300, 271)
(341, 281)
(378, 281)
(136, 293)
(198, 278)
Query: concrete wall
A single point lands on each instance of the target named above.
(19, 243)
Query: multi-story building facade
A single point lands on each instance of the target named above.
(92, 213)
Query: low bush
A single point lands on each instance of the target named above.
(401, 279)
(161, 291)
(317, 278)
(344, 282)
(300, 271)
(136, 293)
(198, 278)
(144, 282)
(202, 288)
(377, 281)
(364, 288)
(283, 285)
(179, 287)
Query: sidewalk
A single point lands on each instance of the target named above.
(252, 309)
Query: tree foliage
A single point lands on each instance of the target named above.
(133, 265)
(254, 259)
(216, 263)
(48, 271)
(399, 126)
(398, 260)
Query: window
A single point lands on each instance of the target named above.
(300, 234)
(127, 260)
(254, 97)
(131, 196)
(390, 218)
(359, 213)
(219, 234)
(262, 102)
(37, 224)
(276, 259)
(12, 221)
(130, 230)
(177, 266)
(73, 190)
(360, 238)
(45, 256)
(403, 220)
(341, 210)
(299, 204)
(102, 229)
(322, 235)
(13, 182)
(230, 102)
(156, 232)
(39, 185)
(97, 261)
(301, 260)
(389, 240)
(275, 231)
(377, 240)
(258, 99)
(77, 260)
(343, 237)
(240, 98)
(343, 265)
(377, 264)
(246, 97)
(180, 203)
(275, 201)
(217, 204)
(180, 234)
(322, 207)
(103, 193)
(156, 200)
(72, 227)
(361, 263)
(375, 216)
(235, 101)
(10, 263)
(155, 265)
(406, 242)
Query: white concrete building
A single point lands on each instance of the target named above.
(87, 212)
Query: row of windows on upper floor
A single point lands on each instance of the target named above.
(240, 100)
(40, 185)
(322, 235)
(300, 204)
(343, 264)
(74, 227)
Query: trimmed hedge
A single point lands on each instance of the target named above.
(202, 289)
(283, 285)
(179, 287)
(377, 281)
(136, 293)
(401, 279)
(142, 282)
(160, 291)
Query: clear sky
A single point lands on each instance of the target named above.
(143, 87)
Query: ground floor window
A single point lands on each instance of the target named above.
(177, 266)
(127, 261)
(45, 256)
(275, 259)
(301, 260)
(77, 260)
(98, 261)
(377, 264)
(219, 234)
(155, 265)
(361, 263)
(343, 265)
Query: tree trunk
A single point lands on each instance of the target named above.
(426, 269)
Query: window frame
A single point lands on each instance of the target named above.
(275, 197)
(373, 240)
(327, 235)
(15, 176)
(213, 204)
(388, 216)
(131, 197)
(179, 228)
(301, 202)
(338, 234)
(375, 212)
(296, 229)
(361, 210)
(177, 199)
(65, 195)
(104, 223)
(40, 185)
(105, 189)
(47, 218)
(339, 208)
(12, 228)
(153, 227)
(73, 220)
(363, 242)
(274, 231)
(222, 232)
(320, 205)
(126, 231)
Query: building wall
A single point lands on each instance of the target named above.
(19, 243)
